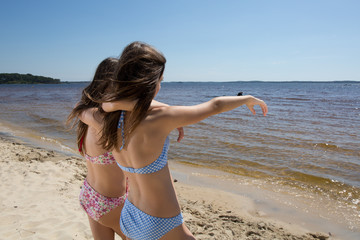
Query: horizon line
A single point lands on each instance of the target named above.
(269, 81)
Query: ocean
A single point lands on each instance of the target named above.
(307, 146)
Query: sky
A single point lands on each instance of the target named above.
(202, 40)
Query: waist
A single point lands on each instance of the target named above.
(159, 201)
(156, 208)
(107, 187)
(132, 207)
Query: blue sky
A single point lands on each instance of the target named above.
(223, 40)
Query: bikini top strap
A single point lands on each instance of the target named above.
(81, 143)
(127, 185)
(121, 125)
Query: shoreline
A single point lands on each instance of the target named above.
(42, 186)
(263, 201)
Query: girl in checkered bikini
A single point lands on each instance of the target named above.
(140, 147)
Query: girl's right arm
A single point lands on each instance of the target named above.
(126, 105)
(92, 118)
(129, 105)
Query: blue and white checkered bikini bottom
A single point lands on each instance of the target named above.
(136, 224)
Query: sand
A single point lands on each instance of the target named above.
(39, 200)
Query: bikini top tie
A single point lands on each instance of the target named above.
(155, 166)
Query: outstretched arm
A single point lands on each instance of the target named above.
(173, 117)
(225, 104)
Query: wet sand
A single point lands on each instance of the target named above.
(39, 200)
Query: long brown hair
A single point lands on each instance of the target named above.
(140, 69)
(91, 97)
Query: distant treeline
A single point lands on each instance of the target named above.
(16, 78)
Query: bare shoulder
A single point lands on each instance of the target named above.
(155, 119)
(157, 113)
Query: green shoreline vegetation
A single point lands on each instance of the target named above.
(17, 78)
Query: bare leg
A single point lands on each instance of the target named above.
(100, 232)
(112, 219)
(179, 233)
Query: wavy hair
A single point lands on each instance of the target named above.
(91, 96)
(138, 72)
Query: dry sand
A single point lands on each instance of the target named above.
(39, 200)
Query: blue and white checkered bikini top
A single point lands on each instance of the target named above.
(155, 166)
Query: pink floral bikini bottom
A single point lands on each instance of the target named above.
(97, 205)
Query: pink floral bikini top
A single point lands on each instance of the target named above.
(104, 159)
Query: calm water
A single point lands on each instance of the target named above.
(309, 142)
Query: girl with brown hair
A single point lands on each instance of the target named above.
(99, 196)
(151, 210)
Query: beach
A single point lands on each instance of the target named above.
(39, 200)
(295, 171)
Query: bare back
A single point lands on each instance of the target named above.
(152, 193)
(102, 176)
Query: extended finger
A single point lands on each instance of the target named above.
(181, 134)
(264, 109)
(252, 110)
